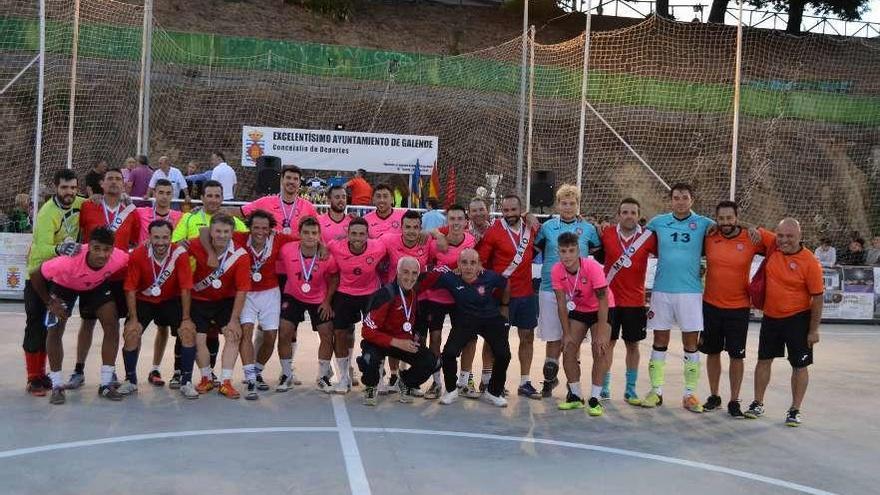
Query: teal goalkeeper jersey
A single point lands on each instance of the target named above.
(547, 239)
(679, 250)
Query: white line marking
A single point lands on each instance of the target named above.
(346, 435)
(354, 466)
(609, 450)
(153, 436)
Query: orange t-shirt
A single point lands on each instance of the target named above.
(792, 280)
(361, 191)
(728, 262)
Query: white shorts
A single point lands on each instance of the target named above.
(549, 326)
(262, 308)
(683, 311)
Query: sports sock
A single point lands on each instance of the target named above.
(523, 379)
(550, 372)
(462, 378)
(658, 353)
(575, 389)
(41, 362)
(606, 382)
(595, 391)
(293, 346)
(154, 368)
(213, 343)
(323, 367)
(79, 368)
(438, 377)
(130, 359)
(55, 376)
(286, 365)
(178, 350)
(250, 373)
(30, 364)
(486, 375)
(691, 372)
(342, 366)
(657, 373)
(258, 368)
(206, 372)
(632, 376)
(107, 374)
(187, 358)
(226, 374)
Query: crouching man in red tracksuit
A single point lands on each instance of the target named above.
(388, 331)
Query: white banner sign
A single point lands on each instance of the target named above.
(340, 150)
(13, 264)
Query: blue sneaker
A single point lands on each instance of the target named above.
(527, 390)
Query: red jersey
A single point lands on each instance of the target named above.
(127, 229)
(380, 226)
(331, 230)
(397, 250)
(449, 259)
(296, 267)
(358, 273)
(497, 249)
(387, 317)
(143, 271)
(628, 285)
(235, 277)
(264, 262)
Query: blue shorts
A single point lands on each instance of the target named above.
(524, 312)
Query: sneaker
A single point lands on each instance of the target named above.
(547, 387)
(495, 400)
(596, 408)
(35, 388)
(793, 418)
(483, 387)
(127, 388)
(734, 409)
(324, 385)
(46, 382)
(215, 380)
(416, 392)
(371, 396)
(755, 411)
(433, 391)
(354, 380)
(632, 399)
(189, 391)
(527, 390)
(284, 384)
(174, 384)
(341, 388)
(692, 404)
(449, 397)
(57, 397)
(76, 381)
(110, 393)
(261, 384)
(228, 391)
(251, 393)
(653, 399)
(403, 393)
(571, 402)
(713, 402)
(470, 390)
(155, 379)
(205, 386)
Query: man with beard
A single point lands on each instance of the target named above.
(384, 219)
(335, 222)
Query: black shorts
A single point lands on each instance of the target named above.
(779, 334)
(348, 310)
(89, 301)
(206, 314)
(588, 319)
(628, 321)
(164, 314)
(295, 311)
(724, 330)
(435, 314)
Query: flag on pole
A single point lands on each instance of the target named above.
(434, 183)
(415, 187)
(450, 187)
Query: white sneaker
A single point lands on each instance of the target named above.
(324, 385)
(495, 401)
(127, 388)
(341, 388)
(189, 391)
(449, 397)
(284, 383)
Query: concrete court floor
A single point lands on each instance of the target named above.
(307, 442)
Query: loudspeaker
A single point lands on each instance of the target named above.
(268, 175)
(543, 193)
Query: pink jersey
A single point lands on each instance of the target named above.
(332, 230)
(450, 259)
(286, 215)
(381, 226)
(72, 272)
(358, 273)
(147, 214)
(397, 249)
(319, 274)
(581, 286)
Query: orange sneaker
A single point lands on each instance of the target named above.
(692, 404)
(205, 386)
(227, 390)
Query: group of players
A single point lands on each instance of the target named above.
(207, 273)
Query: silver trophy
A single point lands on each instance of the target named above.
(493, 180)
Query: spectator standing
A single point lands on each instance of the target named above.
(433, 218)
(361, 191)
(873, 256)
(826, 253)
(194, 179)
(172, 175)
(127, 168)
(854, 254)
(94, 178)
(225, 175)
(139, 178)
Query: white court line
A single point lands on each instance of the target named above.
(354, 466)
(609, 450)
(345, 429)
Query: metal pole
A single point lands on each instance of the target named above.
(71, 113)
(531, 117)
(736, 95)
(38, 145)
(522, 98)
(148, 67)
(582, 131)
